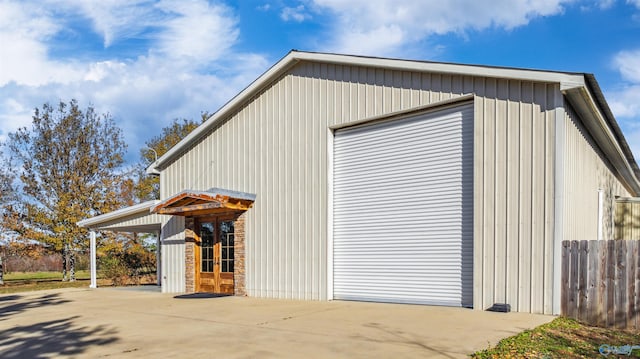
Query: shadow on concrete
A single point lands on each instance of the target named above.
(201, 295)
(401, 337)
(10, 297)
(52, 339)
(20, 305)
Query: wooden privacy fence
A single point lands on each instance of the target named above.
(601, 282)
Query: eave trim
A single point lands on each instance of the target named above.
(117, 214)
(567, 80)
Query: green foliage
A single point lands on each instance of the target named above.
(114, 269)
(148, 187)
(561, 338)
(7, 192)
(126, 261)
(67, 164)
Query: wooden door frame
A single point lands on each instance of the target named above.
(197, 221)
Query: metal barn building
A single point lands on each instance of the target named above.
(360, 178)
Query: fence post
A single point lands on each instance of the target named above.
(1, 272)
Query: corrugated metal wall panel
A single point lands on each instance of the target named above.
(173, 260)
(278, 143)
(586, 171)
(403, 210)
(627, 219)
(513, 185)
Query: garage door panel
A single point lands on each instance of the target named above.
(402, 210)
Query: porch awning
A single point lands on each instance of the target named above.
(136, 218)
(211, 201)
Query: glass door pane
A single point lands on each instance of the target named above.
(207, 233)
(226, 255)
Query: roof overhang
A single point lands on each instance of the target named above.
(565, 79)
(581, 89)
(210, 202)
(136, 218)
(589, 103)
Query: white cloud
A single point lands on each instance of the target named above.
(187, 63)
(199, 32)
(625, 101)
(628, 63)
(384, 26)
(115, 19)
(298, 13)
(24, 31)
(264, 7)
(605, 4)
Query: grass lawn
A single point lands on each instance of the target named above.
(15, 282)
(29, 287)
(562, 338)
(29, 276)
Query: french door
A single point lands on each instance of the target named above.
(214, 255)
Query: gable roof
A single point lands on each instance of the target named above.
(213, 200)
(570, 82)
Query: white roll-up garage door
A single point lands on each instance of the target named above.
(403, 210)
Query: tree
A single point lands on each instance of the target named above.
(148, 187)
(67, 165)
(7, 195)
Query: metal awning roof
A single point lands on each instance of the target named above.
(136, 218)
(211, 201)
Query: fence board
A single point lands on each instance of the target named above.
(566, 265)
(621, 296)
(611, 277)
(601, 282)
(573, 281)
(583, 253)
(631, 283)
(601, 269)
(592, 290)
(636, 308)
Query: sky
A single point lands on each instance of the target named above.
(148, 62)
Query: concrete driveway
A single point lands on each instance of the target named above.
(86, 323)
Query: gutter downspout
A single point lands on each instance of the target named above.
(600, 213)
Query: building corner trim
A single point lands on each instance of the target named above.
(558, 213)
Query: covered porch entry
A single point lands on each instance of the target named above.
(134, 219)
(214, 238)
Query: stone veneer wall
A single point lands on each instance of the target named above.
(190, 254)
(239, 255)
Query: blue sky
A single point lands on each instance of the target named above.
(147, 62)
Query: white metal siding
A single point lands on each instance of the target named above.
(403, 210)
(587, 171)
(276, 146)
(173, 255)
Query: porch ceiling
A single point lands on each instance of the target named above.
(136, 218)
